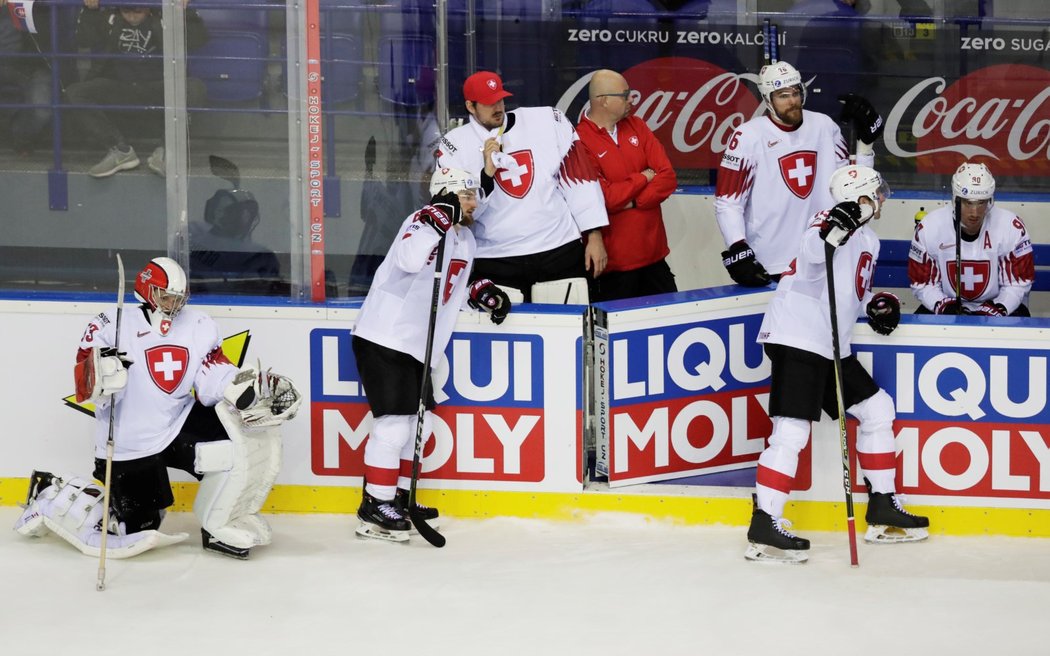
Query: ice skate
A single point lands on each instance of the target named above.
(888, 521)
(430, 515)
(771, 542)
(211, 544)
(381, 520)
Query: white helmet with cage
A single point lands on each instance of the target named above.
(973, 182)
(780, 75)
(453, 181)
(163, 288)
(851, 183)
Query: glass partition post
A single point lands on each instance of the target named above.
(175, 135)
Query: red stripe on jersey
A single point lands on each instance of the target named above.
(216, 357)
(773, 479)
(876, 461)
(734, 184)
(576, 167)
(1019, 269)
(921, 273)
(380, 475)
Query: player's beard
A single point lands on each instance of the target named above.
(494, 121)
(792, 117)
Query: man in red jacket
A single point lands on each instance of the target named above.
(636, 176)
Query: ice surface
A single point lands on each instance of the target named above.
(614, 584)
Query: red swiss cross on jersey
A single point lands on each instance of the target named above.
(455, 270)
(865, 269)
(517, 181)
(974, 278)
(799, 170)
(167, 365)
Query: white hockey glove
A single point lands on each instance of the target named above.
(102, 373)
(263, 398)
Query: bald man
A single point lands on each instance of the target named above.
(636, 177)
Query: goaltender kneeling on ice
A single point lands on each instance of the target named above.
(802, 346)
(227, 436)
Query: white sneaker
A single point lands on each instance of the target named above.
(114, 161)
(156, 161)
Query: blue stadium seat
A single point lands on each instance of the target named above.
(406, 69)
(232, 65)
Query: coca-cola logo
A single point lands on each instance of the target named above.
(692, 106)
(997, 114)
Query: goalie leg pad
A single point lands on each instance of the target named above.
(73, 510)
(238, 475)
(567, 291)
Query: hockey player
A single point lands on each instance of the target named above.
(176, 402)
(539, 192)
(775, 171)
(389, 341)
(997, 269)
(796, 332)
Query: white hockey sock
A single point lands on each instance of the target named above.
(389, 435)
(404, 480)
(778, 463)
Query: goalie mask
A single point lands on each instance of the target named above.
(853, 182)
(455, 181)
(774, 77)
(162, 288)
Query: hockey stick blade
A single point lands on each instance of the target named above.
(426, 531)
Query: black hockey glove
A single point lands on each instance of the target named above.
(884, 312)
(843, 220)
(742, 266)
(866, 121)
(989, 309)
(448, 212)
(486, 295)
(947, 306)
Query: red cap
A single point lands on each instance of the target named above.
(485, 88)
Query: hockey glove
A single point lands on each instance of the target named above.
(486, 295)
(109, 352)
(884, 312)
(843, 220)
(990, 309)
(866, 121)
(742, 266)
(947, 306)
(448, 205)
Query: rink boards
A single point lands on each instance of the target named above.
(680, 391)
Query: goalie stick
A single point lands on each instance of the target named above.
(847, 475)
(426, 530)
(100, 584)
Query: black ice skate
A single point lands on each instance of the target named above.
(211, 544)
(38, 481)
(770, 541)
(429, 515)
(888, 521)
(381, 520)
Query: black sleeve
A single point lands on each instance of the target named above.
(488, 183)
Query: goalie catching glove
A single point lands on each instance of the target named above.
(884, 312)
(486, 295)
(102, 372)
(742, 266)
(263, 398)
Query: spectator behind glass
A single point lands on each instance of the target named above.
(223, 256)
(25, 79)
(129, 72)
(636, 177)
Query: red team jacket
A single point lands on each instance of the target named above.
(634, 237)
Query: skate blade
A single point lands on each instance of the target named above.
(877, 534)
(371, 532)
(763, 553)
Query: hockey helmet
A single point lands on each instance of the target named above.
(780, 75)
(453, 181)
(973, 182)
(232, 213)
(163, 289)
(851, 183)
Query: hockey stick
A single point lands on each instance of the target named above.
(100, 584)
(958, 255)
(847, 475)
(425, 530)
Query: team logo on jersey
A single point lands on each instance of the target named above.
(799, 170)
(455, 270)
(517, 181)
(974, 279)
(633, 140)
(167, 365)
(865, 271)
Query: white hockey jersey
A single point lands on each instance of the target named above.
(772, 179)
(396, 312)
(542, 202)
(166, 369)
(997, 265)
(799, 314)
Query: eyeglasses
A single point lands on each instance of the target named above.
(622, 96)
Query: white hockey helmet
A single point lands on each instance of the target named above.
(973, 182)
(851, 183)
(163, 288)
(453, 181)
(780, 75)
